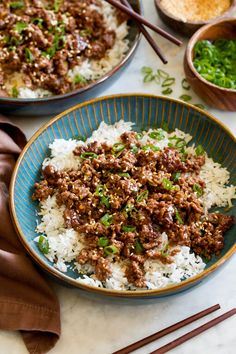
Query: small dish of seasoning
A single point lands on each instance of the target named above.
(187, 16)
(210, 64)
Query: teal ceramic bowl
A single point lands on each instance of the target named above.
(145, 111)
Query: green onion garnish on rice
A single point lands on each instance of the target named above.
(142, 196)
(150, 147)
(178, 217)
(16, 5)
(198, 190)
(157, 135)
(138, 246)
(167, 184)
(118, 147)
(176, 176)
(43, 244)
(123, 174)
(28, 55)
(103, 242)
(109, 250)
(14, 92)
(88, 155)
(105, 201)
(199, 150)
(128, 228)
(106, 220)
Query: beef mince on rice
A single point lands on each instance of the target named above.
(131, 209)
(51, 47)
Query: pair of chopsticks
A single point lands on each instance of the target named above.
(124, 6)
(173, 344)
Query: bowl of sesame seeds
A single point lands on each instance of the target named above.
(57, 53)
(187, 16)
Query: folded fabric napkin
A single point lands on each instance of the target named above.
(26, 301)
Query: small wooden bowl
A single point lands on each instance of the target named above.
(213, 95)
(188, 28)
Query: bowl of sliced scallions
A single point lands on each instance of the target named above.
(210, 62)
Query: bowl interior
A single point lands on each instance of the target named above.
(144, 111)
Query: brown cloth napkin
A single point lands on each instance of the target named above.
(26, 301)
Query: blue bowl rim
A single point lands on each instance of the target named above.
(110, 292)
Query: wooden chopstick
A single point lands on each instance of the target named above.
(148, 36)
(167, 330)
(142, 20)
(193, 333)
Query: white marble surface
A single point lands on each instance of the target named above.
(94, 325)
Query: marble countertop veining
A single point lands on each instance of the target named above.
(101, 325)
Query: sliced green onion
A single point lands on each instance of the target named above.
(148, 78)
(167, 91)
(79, 79)
(139, 136)
(123, 174)
(14, 92)
(105, 201)
(157, 135)
(167, 184)
(165, 250)
(168, 82)
(150, 147)
(109, 250)
(199, 150)
(37, 21)
(56, 5)
(103, 242)
(146, 70)
(197, 189)
(128, 228)
(178, 217)
(17, 5)
(163, 74)
(20, 26)
(176, 176)
(138, 246)
(118, 147)
(79, 137)
(142, 196)
(129, 208)
(85, 32)
(99, 192)
(106, 220)
(185, 98)
(88, 155)
(134, 149)
(180, 143)
(43, 244)
(185, 84)
(28, 55)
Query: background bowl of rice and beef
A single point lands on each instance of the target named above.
(145, 111)
(55, 54)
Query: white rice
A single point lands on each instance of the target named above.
(65, 244)
(92, 69)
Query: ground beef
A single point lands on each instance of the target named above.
(123, 199)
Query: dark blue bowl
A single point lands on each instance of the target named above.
(144, 111)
